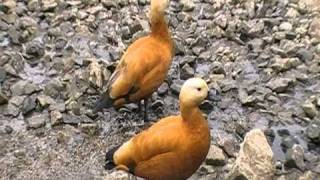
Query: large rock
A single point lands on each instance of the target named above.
(314, 29)
(215, 156)
(294, 157)
(255, 160)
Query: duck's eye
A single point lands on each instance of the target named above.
(199, 89)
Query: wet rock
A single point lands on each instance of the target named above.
(90, 129)
(254, 162)
(23, 87)
(294, 157)
(283, 64)
(215, 156)
(3, 99)
(28, 105)
(37, 121)
(45, 100)
(56, 117)
(288, 142)
(279, 85)
(186, 72)
(313, 131)
(310, 109)
(305, 55)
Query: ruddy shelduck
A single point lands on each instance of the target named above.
(174, 147)
(144, 65)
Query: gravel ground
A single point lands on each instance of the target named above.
(261, 59)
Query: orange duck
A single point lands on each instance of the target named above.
(144, 65)
(174, 147)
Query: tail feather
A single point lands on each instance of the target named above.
(109, 158)
(105, 101)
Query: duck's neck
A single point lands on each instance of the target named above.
(191, 115)
(159, 26)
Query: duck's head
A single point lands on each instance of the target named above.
(159, 5)
(193, 92)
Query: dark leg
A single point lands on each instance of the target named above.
(145, 109)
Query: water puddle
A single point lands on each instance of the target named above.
(295, 131)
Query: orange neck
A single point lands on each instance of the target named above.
(159, 26)
(192, 115)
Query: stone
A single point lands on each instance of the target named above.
(309, 175)
(255, 159)
(283, 64)
(279, 85)
(313, 132)
(71, 119)
(176, 86)
(28, 105)
(49, 5)
(186, 72)
(37, 121)
(3, 75)
(117, 175)
(45, 100)
(288, 142)
(215, 156)
(3, 99)
(217, 68)
(56, 118)
(304, 55)
(294, 157)
(17, 100)
(314, 29)
(23, 88)
(229, 146)
(7, 6)
(188, 5)
(285, 26)
(163, 89)
(310, 109)
(89, 128)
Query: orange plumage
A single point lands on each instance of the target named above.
(144, 65)
(174, 147)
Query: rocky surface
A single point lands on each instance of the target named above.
(255, 160)
(259, 57)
